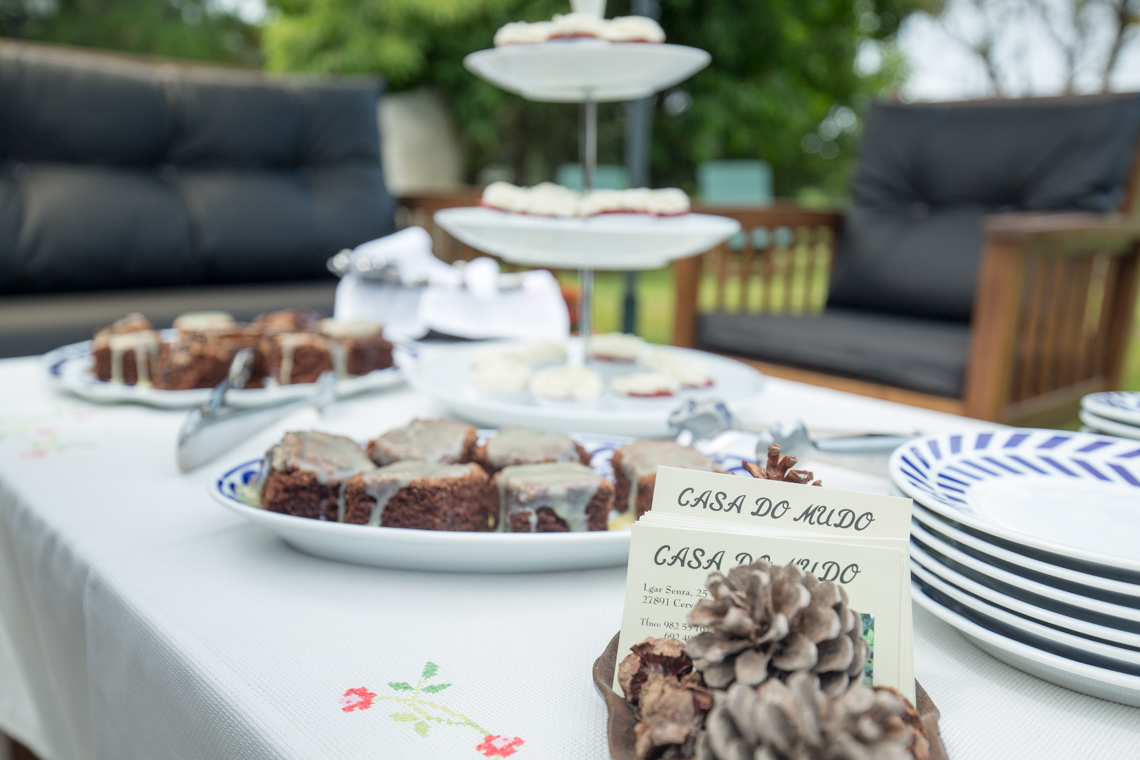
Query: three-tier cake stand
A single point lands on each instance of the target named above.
(587, 71)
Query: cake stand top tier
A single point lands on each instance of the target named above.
(575, 70)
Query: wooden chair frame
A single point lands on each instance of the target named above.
(1054, 308)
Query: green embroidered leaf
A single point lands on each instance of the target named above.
(421, 728)
(401, 686)
(436, 687)
(430, 670)
(404, 717)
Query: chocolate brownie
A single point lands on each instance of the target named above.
(125, 351)
(296, 358)
(635, 470)
(304, 474)
(437, 441)
(424, 496)
(301, 319)
(202, 359)
(514, 445)
(358, 347)
(553, 498)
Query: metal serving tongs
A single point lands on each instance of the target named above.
(709, 422)
(214, 428)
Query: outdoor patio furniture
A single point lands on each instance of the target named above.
(987, 265)
(186, 186)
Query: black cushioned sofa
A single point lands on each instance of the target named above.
(132, 184)
(988, 259)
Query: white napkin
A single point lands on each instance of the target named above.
(477, 310)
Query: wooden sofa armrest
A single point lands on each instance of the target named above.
(1074, 233)
(1052, 314)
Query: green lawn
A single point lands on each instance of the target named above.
(655, 311)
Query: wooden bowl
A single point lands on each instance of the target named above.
(620, 720)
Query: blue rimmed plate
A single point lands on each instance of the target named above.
(1121, 406)
(440, 550)
(70, 367)
(1069, 499)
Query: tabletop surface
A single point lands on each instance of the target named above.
(138, 619)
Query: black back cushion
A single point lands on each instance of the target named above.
(120, 174)
(928, 174)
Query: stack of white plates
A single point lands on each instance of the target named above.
(1028, 542)
(1112, 413)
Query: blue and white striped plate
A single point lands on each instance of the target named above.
(1119, 406)
(1069, 499)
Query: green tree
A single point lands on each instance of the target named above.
(195, 29)
(782, 85)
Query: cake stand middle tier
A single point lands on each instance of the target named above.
(605, 242)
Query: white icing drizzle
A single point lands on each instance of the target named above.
(515, 446)
(332, 458)
(288, 342)
(385, 482)
(201, 321)
(564, 487)
(439, 441)
(143, 344)
(642, 458)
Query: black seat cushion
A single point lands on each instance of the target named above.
(920, 354)
(121, 174)
(928, 174)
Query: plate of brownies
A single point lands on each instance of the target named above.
(440, 495)
(131, 361)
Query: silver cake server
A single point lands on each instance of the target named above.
(869, 453)
(214, 428)
(708, 422)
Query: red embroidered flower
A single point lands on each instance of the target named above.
(356, 699)
(499, 746)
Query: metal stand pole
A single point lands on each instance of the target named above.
(589, 147)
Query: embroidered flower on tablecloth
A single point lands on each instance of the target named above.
(499, 746)
(356, 699)
(423, 712)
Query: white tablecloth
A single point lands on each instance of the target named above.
(140, 620)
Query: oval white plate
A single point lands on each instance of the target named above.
(440, 550)
(1110, 634)
(1050, 575)
(1050, 666)
(606, 241)
(70, 368)
(443, 372)
(569, 71)
(1065, 498)
(1109, 427)
(1122, 406)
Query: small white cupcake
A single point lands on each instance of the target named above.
(645, 385)
(689, 373)
(503, 196)
(503, 377)
(542, 353)
(603, 202)
(524, 33)
(566, 384)
(668, 201)
(549, 199)
(634, 29)
(579, 25)
(615, 347)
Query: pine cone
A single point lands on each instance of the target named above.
(798, 721)
(667, 698)
(780, 468)
(767, 620)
